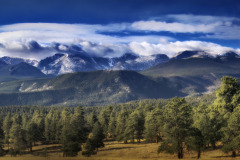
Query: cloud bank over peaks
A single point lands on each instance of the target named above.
(171, 48)
(145, 37)
(34, 50)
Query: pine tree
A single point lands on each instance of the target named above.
(17, 136)
(231, 138)
(95, 141)
(31, 131)
(153, 125)
(51, 129)
(38, 119)
(196, 141)
(121, 125)
(89, 148)
(177, 123)
(227, 96)
(2, 152)
(69, 136)
(135, 126)
(112, 125)
(78, 125)
(227, 99)
(7, 123)
(209, 122)
(97, 135)
(91, 120)
(104, 118)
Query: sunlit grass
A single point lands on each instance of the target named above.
(117, 151)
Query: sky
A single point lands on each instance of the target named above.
(37, 29)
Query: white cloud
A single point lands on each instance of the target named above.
(15, 38)
(214, 27)
(199, 19)
(174, 27)
(171, 48)
(104, 50)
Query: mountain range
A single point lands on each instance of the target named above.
(68, 63)
(111, 80)
(61, 63)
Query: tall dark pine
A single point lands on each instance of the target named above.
(135, 126)
(97, 135)
(78, 125)
(2, 152)
(7, 123)
(177, 126)
(227, 99)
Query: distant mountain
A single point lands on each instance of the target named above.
(137, 63)
(188, 64)
(68, 63)
(188, 73)
(85, 88)
(14, 61)
(79, 61)
(230, 55)
(25, 69)
(19, 71)
(196, 74)
(3, 64)
(188, 54)
(192, 67)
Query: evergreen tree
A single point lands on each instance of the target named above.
(227, 96)
(177, 124)
(112, 125)
(31, 131)
(97, 136)
(89, 148)
(135, 126)
(209, 122)
(28, 128)
(196, 141)
(153, 125)
(17, 136)
(7, 123)
(104, 118)
(95, 141)
(227, 99)
(78, 125)
(231, 138)
(51, 129)
(69, 136)
(38, 119)
(121, 125)
(91, 120)
(2, 152)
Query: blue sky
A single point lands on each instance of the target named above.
(143, 27)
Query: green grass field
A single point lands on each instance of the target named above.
(116, 151)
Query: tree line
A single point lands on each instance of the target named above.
(175, 123)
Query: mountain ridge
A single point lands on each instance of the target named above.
(87, 88)
(182, 76)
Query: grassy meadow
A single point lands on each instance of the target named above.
(117, 151)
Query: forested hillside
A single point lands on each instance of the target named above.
(86, 88)
(177, 124)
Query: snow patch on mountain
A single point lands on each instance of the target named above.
(14, 61)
